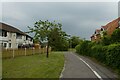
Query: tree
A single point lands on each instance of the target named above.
(58, 40)
(74, 40)
(50, 32)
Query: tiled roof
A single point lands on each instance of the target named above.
(110, 23)
(9, 28)
(105, 27)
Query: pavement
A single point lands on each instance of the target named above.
(81, 67)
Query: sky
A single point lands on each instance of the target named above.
(77, 18)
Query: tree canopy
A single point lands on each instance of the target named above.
(50, 32)
(74, 41)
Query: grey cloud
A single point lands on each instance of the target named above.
(79, 19)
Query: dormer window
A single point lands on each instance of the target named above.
(101, 29)
(95, 32)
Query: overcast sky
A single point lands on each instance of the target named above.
(78, 18)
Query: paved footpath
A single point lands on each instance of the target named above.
(77, 66)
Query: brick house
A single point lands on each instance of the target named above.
(109, 28)
(96, 36)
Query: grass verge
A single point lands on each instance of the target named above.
(34, 66)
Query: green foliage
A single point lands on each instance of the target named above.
(74, 41)
(42, 29)
(99, 52)
(113, 55)
(106, 40)
(115, 37)
(104, 33)
(57, 40)
(83, 48)
(106, 51)
(50, 32)
(109, 55)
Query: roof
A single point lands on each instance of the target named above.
(104, 27)
(110, 23)
(92, 36)
(98, 30)
(9, 28)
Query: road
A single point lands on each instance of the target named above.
(80, 67)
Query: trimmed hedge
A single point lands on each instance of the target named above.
(99, 52)
(84, 48)
(109, 55)
(113, 56)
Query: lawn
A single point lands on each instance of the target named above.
(34, 66)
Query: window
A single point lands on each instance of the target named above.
(19, 36)
(9, 45)
(5, 45)
(4, 33)
(101, 29)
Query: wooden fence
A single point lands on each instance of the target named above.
(12, 53)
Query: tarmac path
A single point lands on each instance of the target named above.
(81, 67)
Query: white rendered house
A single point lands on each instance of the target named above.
(11, 37)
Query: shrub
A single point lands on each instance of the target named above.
(99, 52)
(113, 55)
(115, 37)
(77, 48)
(106, 40)
(109, 55)
(83, 48)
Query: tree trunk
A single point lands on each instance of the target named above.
(47, 50)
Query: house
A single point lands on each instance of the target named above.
(109, 28)
(96, 36)
(11, 37)
(92, 37)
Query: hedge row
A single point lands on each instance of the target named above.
(109, 55)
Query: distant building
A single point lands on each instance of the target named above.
(109, 28)
(11, 37)
(96, 35)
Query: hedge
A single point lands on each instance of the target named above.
(113, 56)
(109, 55)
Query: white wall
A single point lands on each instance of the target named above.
(11, 38)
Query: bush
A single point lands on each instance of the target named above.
(115, 37)
(83, 48)
(113, 56)
(106, 40)
(99, 52)
(109, 55)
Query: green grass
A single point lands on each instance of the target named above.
(34, 66)
(72, 49)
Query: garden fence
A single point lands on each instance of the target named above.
(12, 53)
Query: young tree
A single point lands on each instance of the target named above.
(43, 29)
